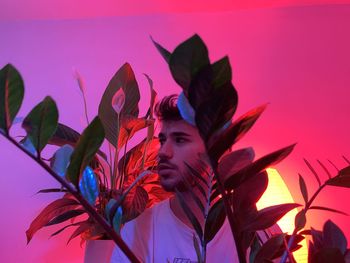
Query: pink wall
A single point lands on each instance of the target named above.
(295, 58)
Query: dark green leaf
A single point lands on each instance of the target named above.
(41, 123)
(52, 210)
(187, 60)
(300, 220)
(234, 161)
(88, 185)
(61, 158)
(259, 165)
(214, 221)
(153, 96)
(269, 249)
(303, 188)
(65, 216)
(315, 207)
(194, 221)
(52, 190)
(268, 216)
(342, 179)
(222, 72)
(165, 53)
(123, 79)
(333, 237)
(11, 96)
(328, 255)
(87, 146)
(313, 171)
(223, 140)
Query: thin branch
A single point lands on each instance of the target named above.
(89, 208)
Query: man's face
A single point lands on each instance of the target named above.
(180, 143)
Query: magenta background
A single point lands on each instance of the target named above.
(295, 58)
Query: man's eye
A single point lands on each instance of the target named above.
(161, 141)
(180, 140)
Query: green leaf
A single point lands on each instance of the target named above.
(11, 96)
(214, 221)
(52, 210)
(61, 158)
(333, 237)
(123, 79)
(342, 179)
(303, 188)
(187, 60)
(65, 216)
(222, 72)
(256, 167)
(194, 221)
(88, 185)
(300, 220)
(315, 207)
(268, 216)
(41, 123)
(87, 146)
(220, 142)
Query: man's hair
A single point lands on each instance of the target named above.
(166, 109)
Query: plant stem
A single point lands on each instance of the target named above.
(116, 154)
(307, 206)
(89, 208)
(229, 213)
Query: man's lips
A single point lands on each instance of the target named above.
(163, 166)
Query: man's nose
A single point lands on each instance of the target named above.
(165, 151)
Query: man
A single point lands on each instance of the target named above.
(163, 233)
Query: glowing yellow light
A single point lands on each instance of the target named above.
(278, 193)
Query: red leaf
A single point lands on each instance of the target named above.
(134, 203)
(54, 209)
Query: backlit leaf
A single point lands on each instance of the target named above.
(11, 96)
(313, 171)
(303, 188)
(87, 146)
(41, 123)
(315, 207)
(300, 220)
(123, 79)
(342, 179)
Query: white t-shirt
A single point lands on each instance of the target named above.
(158, 236)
